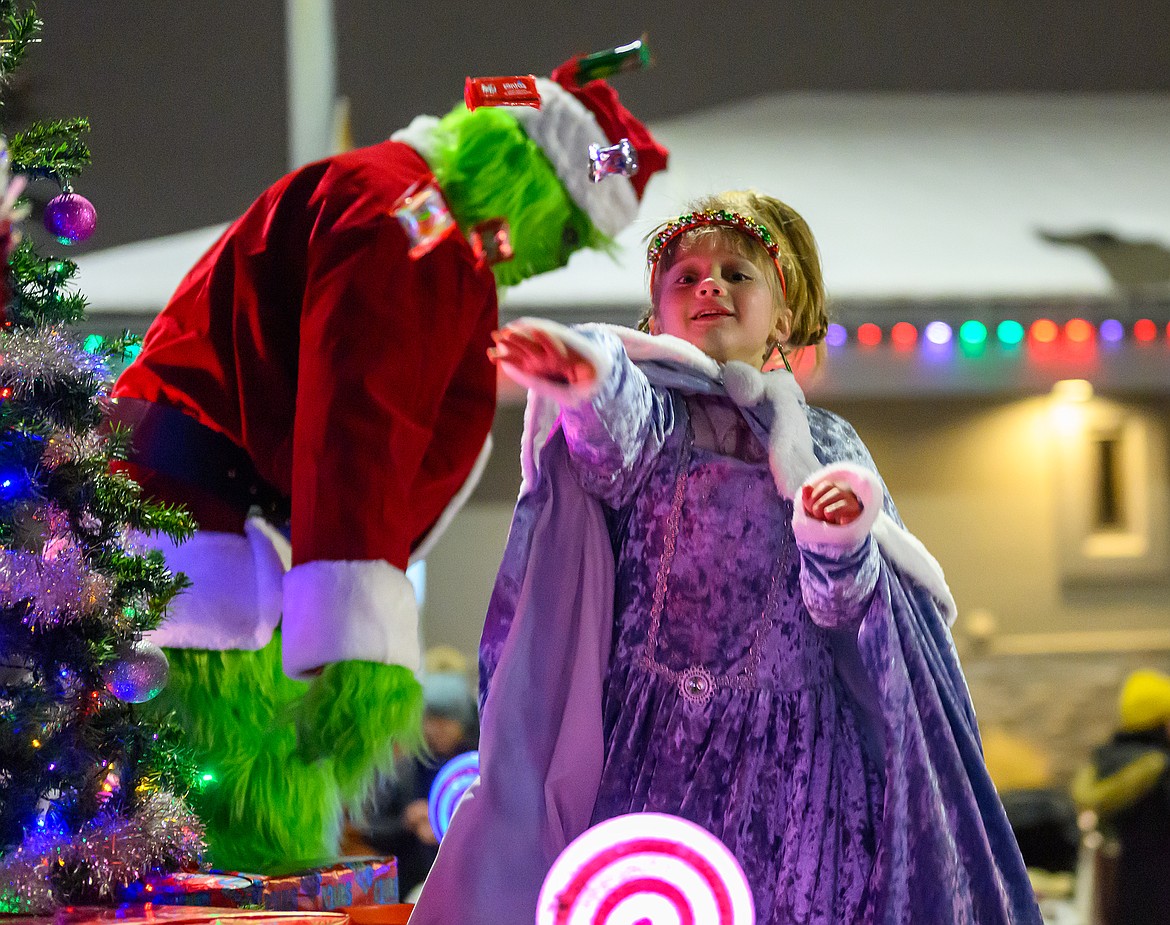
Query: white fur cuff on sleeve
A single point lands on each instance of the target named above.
(868, 488)
(340, 611)
(564, 393)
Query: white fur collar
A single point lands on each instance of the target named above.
(790, 450)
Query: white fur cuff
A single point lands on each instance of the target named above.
(342, 611)
(864, 484)
(234, 599)
(571, 393)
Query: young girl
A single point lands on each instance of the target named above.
(708, 607)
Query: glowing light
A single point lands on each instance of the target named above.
(1044, 330)
(450, 784)
(1072, 390)
(131, 353)
(1069, 399)
(1079, 331)
(1009, 332)
(869, 334)
(1144, 330)
(836, 336)
(973, 332)
(36, 743)
(93, 343)
(904, 335)
(938, 332)
(644, 868)
(1112, 330)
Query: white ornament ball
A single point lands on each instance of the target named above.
(139, 672)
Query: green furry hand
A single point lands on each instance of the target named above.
(355, 713)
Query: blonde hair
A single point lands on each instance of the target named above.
(798, 257)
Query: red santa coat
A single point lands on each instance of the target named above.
(357, 382)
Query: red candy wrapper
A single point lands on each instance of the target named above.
(355, 882)
(519, 90)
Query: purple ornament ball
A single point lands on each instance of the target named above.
(70, 218)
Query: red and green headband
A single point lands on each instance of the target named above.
(692, 220)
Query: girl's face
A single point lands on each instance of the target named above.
(721, 302)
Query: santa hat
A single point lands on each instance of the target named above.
(1145, 701)
(569, 120)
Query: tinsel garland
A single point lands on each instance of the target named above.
(54, 589)
(111, 852)
(35, 365)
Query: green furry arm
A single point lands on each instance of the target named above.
(355, 713)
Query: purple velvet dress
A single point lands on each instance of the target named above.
(721, 703)
(636, 655)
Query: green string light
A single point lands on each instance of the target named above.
(1010, 332)
(973, 333)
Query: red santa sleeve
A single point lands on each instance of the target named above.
(395, 399)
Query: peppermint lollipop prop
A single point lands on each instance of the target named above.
(645, 869)
(450, 784)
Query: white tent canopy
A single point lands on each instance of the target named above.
(910, 196)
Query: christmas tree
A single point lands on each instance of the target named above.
(91, 795)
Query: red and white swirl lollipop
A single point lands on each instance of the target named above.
(645, 869)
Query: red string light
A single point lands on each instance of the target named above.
(1044, 330)
(1145, 330)
(904, 335)
(1079, 331)
(869, 334)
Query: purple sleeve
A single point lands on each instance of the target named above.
(614, 437)
(838, 583)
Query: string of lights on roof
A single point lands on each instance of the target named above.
(1007, 333)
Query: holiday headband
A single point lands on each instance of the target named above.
(692, 220)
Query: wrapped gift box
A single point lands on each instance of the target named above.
(351, 882)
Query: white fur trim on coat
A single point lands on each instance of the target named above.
(349, 610)
(906, 551)
(420, 135)
(564, 128)
(863, 483)
(234, 601)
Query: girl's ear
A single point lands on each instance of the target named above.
(783, 326)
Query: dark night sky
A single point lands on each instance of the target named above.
(187, 99)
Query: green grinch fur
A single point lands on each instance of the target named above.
(269, 804)
(488, 168)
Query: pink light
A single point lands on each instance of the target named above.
(645, 867)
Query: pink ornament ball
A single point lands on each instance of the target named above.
(70, 218)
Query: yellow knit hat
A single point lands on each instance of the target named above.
(1145, 700)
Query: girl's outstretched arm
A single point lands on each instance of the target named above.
(614, 421)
